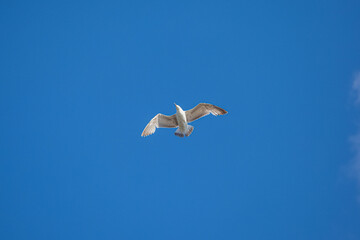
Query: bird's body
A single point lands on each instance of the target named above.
(181, 119)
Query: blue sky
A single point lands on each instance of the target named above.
(80, 80)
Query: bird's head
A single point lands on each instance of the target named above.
(177, 107)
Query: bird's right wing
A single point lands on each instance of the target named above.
(160, 121)
(203, 109)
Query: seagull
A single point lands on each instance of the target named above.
(181, 119)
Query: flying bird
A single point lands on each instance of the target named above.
(181, 119)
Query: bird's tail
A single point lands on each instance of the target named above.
(179, 133)
(188, 131)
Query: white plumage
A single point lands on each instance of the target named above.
(181, 119)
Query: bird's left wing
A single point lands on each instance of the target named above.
(160, 121)
(202, 110)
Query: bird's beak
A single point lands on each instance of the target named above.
(175, 104)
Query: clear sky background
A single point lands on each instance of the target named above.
(79, 80)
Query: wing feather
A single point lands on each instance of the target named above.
(202, 110)
(160, 121)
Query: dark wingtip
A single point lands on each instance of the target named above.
(221, 111)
